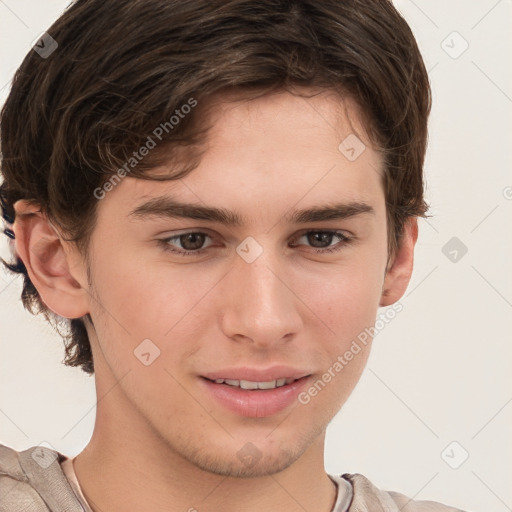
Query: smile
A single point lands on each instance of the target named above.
(255, 398)
(248, 384)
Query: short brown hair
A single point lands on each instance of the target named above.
(123, 67)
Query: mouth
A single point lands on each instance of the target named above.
(255, 385)
(255, 398)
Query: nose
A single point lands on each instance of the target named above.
(258, 303)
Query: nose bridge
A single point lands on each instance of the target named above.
(258, 304)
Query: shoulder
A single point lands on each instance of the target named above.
(368, 498)
(32, 480)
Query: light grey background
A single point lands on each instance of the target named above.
(441, 371)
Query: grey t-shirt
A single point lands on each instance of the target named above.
(343, 498)
(43, 480)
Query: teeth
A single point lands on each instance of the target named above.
(247, 384)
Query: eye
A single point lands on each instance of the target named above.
(321, 241)
(188, 243)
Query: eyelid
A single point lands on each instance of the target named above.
(341, 232)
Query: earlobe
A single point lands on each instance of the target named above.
(41, 249)
(399, 274)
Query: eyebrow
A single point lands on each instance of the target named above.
(168, 207)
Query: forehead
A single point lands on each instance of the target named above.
(325, 106)
(275, 149)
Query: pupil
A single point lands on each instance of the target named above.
(196, 239)
(313, 238)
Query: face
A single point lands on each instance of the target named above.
(253, 292)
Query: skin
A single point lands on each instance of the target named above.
(159, 441)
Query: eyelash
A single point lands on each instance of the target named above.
(344, 240)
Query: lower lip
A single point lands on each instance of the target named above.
(257, 403)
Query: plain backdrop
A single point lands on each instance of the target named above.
(431, 416)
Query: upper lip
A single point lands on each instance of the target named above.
(257, 374)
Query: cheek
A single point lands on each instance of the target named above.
(349, 309)
(135, 302)
(348, 306)
(347, 301)
(346, 298)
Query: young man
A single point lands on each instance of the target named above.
(218, 195)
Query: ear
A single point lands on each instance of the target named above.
(399, 271)
(48, 260)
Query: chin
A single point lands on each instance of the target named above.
(242, 459)
(265, 466)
